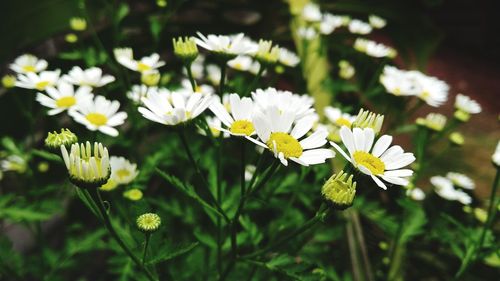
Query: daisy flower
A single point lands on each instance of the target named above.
(173, 108)
(373, 48)
(125, 57)
(433, 91)
(495, 158)
(444, 188)
(375, 160)
(14, 163)
(122, 170)
(338, 118)
(467, 105)
(239, 119)
(28, 63)
(311, 12)
(241, 63)
(359, 27)
(376, 21)
(92, 77)
(433, 121)
(99, 114)
(137, 92)
(288, 58)
(276, 131)
(306, 33)
(301, 105)
(38, 81)
(398, 82)
(461, 180)
(223, 44)
(64, 97)
(416, 194)
(329, 23)
(187, 89)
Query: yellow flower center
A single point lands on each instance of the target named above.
(66, 102)
(122, 173)
(425, 95)
(242, 127)
(197, 89)
(29, 68)
(238, 66)
(143, 67)
(97, 119)
(286, 144)
(41, 85)
(367, 160)
(343, 122)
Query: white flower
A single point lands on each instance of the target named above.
(241, 63)
(359, 27)
(461, 180)
(196, 67)
(376, 21)
(249, 171)
(466, 104)
(64, 97)
(444, 188)
(38, 81)
(213, 74)
(14, 163)
(301, 105)
(231, 45)
(373, 48)
(335, 116)
(125, 57)
(28, 63)
(288, 58)
(172, 108)
(214, 124)
(433, 91)
(92, 77)
(433, 121)
(307, 33)
(416, 194)
(239, 120)
(88, 166)
(311, 12)
(99, 114)
(496, 155)
(122, 171)
(187, 89)
(137, 92)
(275, 132)
(329, 23)
(398, 82)
(376, 160)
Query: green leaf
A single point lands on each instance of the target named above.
(187, 190)
(168, 254)
(23, 214)
(413, 223)
(122, 12)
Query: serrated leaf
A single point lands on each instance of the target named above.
(166, 255)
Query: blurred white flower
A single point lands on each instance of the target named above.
(346, 69)
(311, 12)
(213, 74)
(416, 194)
(359, 27)
(329, 23)
(28, 63)
(444, 188)
(137, 92)
(64, 97)
(125, 57)
(241, 63)
(466, 104)
(223, 44)
(307, 33)
(433, 121)
(99, 114)
(376, 21)
(38, 81)
(122, 170)
(496, 155)
(374, 49)
(336, 117)
(461, 180)
(288, 58)
(14, 163)
(398, 82)
(92, 77)
(375, 160)
(301, 105)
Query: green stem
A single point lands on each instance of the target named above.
(234, 221)
(190, 75)
(109, 226)
(254, 80)
(323, 210)
(146, 244)
(222, 78)
(218, 198)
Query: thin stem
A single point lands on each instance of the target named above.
(190, 75)
(255, 80)
(146, 244)
(323, 210)
(234, 221)
(109, 226)
(218, 199)
(361, 240)
(222, 78)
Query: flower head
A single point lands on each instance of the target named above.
(301, 105)
(495, 158)
(399, 82)
(138, 92)
(241, 63)
(359, 27)
(239, 120)
(39, 81)
(151, 78)
(433, 121)
(148, 222)
(9, 81)
(226, 46)
(374, 49)
(88, 166)
(444, 188)
(465, 107)
(173, 108)
(461, 180)
(14, 163)
(375, 160)
(288, 58)
(306, 33)
(64, 97)
(311, 12)
(376, 21)
(339, 190)
(78, 24)
(329, 23)
(99, 114)
(92, 77)
(185, 48)
(457, 139)
(277, 132)
(66, 138)
(368, 119)
(416, 194)
(28, 63)
(122, 170)
(267, 53)
(337, 118)
(146, 64)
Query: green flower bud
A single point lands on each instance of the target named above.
(461, 115)
(54, 140)
(186, 49)
(367, 119)
(78, 24)
(150, 78)
(161, 3)
(148, 222)
(339, 190)
(71, 38)
(133, 194)
(456, 139)
(43, 167)
(9, 81)
(433, 121)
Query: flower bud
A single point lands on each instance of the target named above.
(78, 24)
(433, 121)
(71, 38)
(148, 222)
(133, 194)
(186, 49)
(461, 115)
(339, 190)
(8, 81)
(456, 139)
(150, 78)
(266, 53)
(367, 119)
(54, 140)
